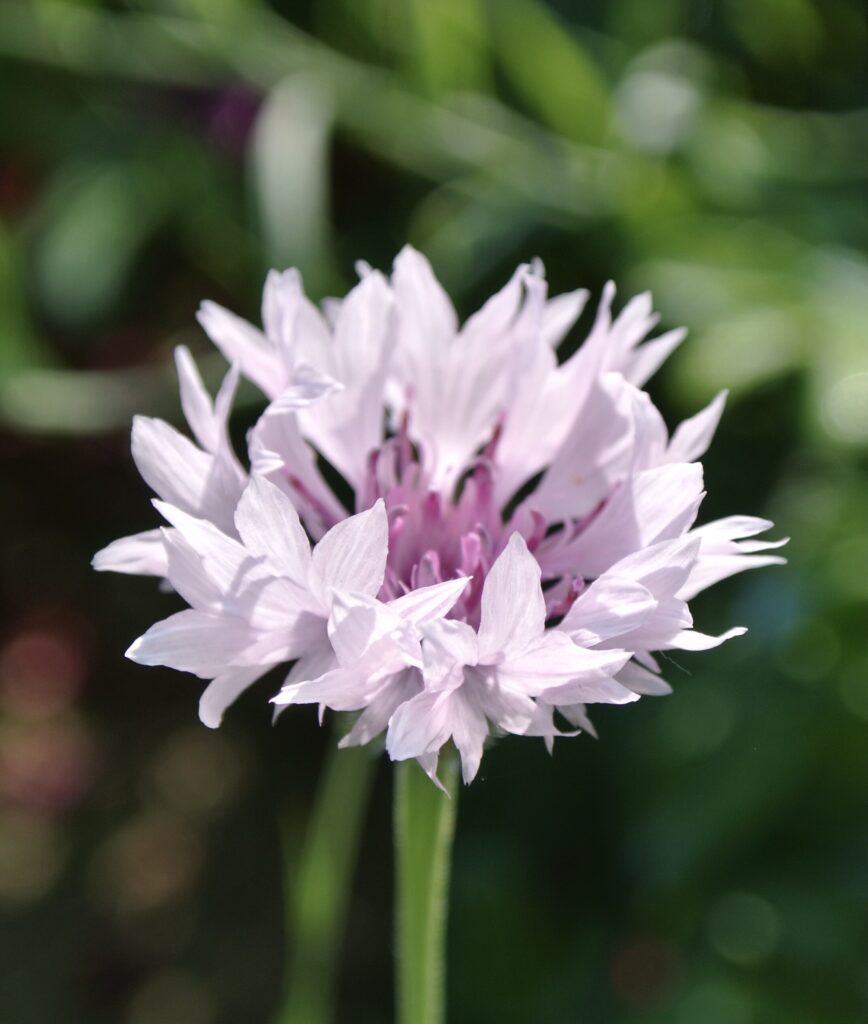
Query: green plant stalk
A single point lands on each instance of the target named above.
(424, 828)
(317, 888)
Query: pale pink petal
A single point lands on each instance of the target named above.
(428, 763)
(428, 317)
(184, 475)
(504, 703)
(448, 646)
(576, 714)
(352, 555)
(554, 660)
(293, 324)
(489, 324)
(420, 726)
(594, 455)
(469, 731)
(298, 635)
(643, 682)
(306, 386)
(542, 724)
(269, 527)
(608, 608)
(196, 402)
(429, 603)
(375, 717)
(364, 631)
(692, 437)
(711, 569)
(650, 436)
(561, 313)
(660, 570)
(225, 559)
(649, 357)
(658, 504)
(601, 689)
(318, 659)
(142, 554)
(341, 689)
(513, 608)
(240, 582)
(723, 552)
(203, 643)
(225, 690)
(188, 576)
(279, 452)
(348, 426)
(242, 343)
(690, 640)
(670, 617)
(170, 464)
(314, 663)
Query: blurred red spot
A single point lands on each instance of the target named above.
(17, 189)
(45, 767)
(42, 669)
(644, 971)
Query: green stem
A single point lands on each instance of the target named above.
(317, 891)
(424, 828)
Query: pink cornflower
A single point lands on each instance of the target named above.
(521, 536)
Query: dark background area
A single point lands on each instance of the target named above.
(704, 862)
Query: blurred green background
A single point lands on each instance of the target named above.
(705, 862)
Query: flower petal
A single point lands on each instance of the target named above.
(376, 714)
(142, 554)
(420, 726)
(195, 401)
(513, 608)
(182, 474)
(225, 690)
(429, 603)
(640, 680)
(447, 647)
(203, 643)
(692, 437)
(352, 555)
(242, 343)
(657, 504)
(723, 552)
(469, 731)
(269, 527)
(610, 607)
(554, 660)
(364, 631)
(690, 640)
(279, 453)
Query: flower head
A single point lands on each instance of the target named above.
(521, 539)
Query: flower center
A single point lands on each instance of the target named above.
(435, 537)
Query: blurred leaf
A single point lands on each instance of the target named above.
(85, 403)
(778, 31)
(550, 70)
(743, 350)
(640, 22)
(70, 402)
(19, 345)
(91, 230)
(449, 50)
(290, 168)
(85, 36)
